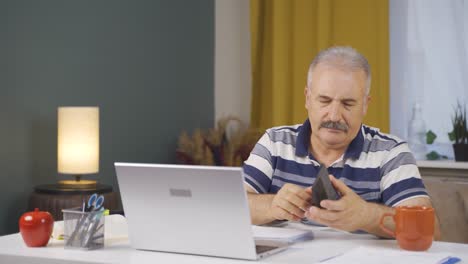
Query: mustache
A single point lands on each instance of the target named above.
(335, 125)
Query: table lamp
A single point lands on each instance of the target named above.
(78, 144)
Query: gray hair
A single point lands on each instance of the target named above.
(342, 57)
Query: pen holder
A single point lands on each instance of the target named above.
(83, 230)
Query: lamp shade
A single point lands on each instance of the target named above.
(78, 140)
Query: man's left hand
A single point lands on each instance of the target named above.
(349, 213)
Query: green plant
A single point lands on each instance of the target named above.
(430, 137)
(433, 155)
(459, 133)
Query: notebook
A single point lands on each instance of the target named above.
(200, 210)
(283, 234)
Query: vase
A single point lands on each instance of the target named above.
(461, 152)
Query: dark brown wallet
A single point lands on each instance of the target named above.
(323, 188)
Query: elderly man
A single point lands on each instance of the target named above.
(372, 171)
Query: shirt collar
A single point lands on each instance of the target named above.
(355, 147)
(303, 141)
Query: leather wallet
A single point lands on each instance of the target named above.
(322, 189)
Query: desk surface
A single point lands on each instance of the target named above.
(327, 243)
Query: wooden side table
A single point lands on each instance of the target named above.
(53, 198)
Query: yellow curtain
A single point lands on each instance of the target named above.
(286, 35)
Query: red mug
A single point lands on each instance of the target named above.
(414, 227)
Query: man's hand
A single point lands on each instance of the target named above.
(349, 213)
(290, 203)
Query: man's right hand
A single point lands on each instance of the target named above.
(290, 203)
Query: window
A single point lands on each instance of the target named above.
(428, 64)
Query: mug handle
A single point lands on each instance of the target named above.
(386, 230)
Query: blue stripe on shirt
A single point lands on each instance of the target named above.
(260, 181)
(296, 167)
(374, 132)
(402, 190)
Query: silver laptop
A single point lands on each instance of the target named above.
(200, 210)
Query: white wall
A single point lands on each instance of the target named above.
(232, 59)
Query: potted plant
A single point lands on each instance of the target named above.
(459, 135)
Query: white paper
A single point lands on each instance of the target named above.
(282, 234)
(364, 255)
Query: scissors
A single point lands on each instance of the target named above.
(94, 203)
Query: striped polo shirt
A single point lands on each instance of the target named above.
(378, 167)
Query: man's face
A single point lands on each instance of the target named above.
(336, 104)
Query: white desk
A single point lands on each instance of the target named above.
(326, 243)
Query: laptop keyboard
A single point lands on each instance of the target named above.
(261, 249)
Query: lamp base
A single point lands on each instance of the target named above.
(81, 184)
(65, 190)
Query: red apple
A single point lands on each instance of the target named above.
(36, 227)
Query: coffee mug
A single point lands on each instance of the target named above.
(414, 227)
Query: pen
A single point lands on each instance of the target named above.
(73, 237)
(450, 260)
(86, 225)
(328, 258)
(92, 228)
